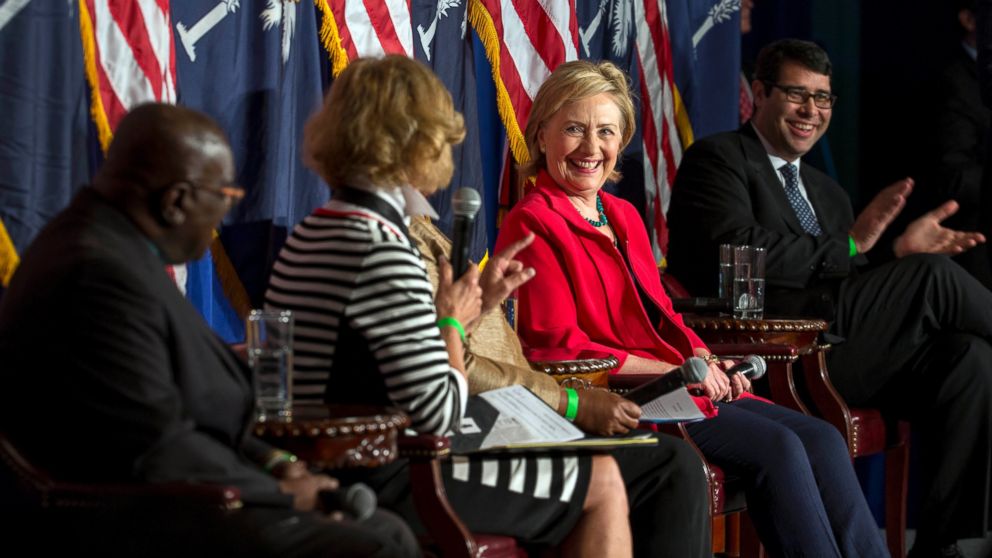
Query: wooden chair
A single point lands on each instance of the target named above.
(865, 430)
(342, 436)
(58, 517)
(34, 489)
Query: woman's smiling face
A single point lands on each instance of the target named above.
(581, 142)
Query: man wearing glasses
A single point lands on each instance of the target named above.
(911, 337)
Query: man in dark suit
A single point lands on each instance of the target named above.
(960, 136)
(112, 376)
(913, 335)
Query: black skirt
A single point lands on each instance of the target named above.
(534, 498)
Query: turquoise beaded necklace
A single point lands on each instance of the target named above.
(603, 221)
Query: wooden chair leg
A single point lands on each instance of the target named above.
(719, 534)
(732, 546)
(750, 543)
(896, 483)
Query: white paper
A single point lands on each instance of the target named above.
(524, 418)
(674, 406)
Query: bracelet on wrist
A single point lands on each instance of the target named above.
(852, 248)
(572, 407)
(277, 457)
(449, 321)
(711, 359)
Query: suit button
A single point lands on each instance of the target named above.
(812, 267)
(825, 297)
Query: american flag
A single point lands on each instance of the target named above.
(524, 40)
(130, 57)
(355, 28)
(660, 109)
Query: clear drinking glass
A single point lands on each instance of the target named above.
(726, 286)
(749, 282)
(269, 337)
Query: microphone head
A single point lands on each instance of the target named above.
(760, 367)
(360, 501)
(466, 202)
(694, 370)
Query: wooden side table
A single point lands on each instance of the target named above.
(781, 342)
(338, 436)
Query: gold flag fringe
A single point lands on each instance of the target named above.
(483, 24)
(331, 38)
(97, 111)
(9, 259)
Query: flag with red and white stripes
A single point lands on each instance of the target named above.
(357, 28)
(130, 57)
(660, 105)
(525, 40)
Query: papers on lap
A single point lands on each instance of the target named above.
(513, 418)
(674, 406)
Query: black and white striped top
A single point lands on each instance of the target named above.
(357, 286)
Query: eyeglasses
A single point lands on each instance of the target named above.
(230, 193)
(800, 96)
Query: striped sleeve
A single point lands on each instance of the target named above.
(392, 307)
(350, 271)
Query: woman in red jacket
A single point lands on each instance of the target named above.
(597, 289)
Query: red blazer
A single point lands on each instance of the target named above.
(582, 302)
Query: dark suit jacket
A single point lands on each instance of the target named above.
(726, 191)
(109, 374)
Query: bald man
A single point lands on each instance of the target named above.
(111, 376)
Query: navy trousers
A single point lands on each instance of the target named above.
(802, 493)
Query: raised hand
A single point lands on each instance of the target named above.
(503, 274)
(461, 299)
(604, 414)
(879, 214)
(927, 236)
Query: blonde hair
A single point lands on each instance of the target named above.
(387, 120)
(570, 82)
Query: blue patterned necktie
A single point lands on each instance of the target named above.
(798, 202)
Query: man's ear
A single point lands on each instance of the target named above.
(169, 210)
(758, 92)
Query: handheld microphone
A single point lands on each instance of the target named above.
(357, 501)
(692, 371)
(465, 204)
(751, 366)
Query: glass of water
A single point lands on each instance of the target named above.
(269, 337)
(749, 282)
(726, 287)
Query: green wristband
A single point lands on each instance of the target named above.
(852, 247)
(277, 457)
(448, 321)
(572, 407)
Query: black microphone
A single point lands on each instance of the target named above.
(692, 371)
(465, 204)
(357, 501)
(751, 366)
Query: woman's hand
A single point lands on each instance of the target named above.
(503, 274)
(738, 382)
(604, 414)
(716, 385)
(461, 299)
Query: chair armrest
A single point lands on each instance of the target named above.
(590, 372)
(175, 495)
(423, 447)
(622, 383)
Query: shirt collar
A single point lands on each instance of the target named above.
(405, 199)
(776, 161)
(972, 51)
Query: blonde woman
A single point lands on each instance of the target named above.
(369, 330)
